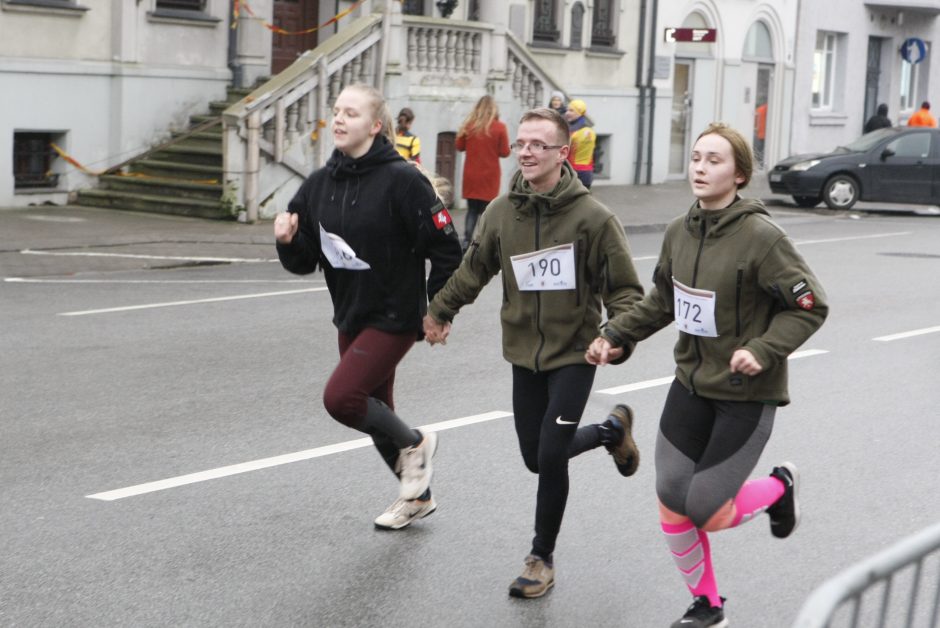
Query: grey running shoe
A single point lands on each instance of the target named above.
(785, 512)
(626, 454)
(414, 466)
(702, 615)
(402, 512)
(536, 579)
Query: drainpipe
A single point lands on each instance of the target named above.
(641, 109)
(652, 94)
(233, 63)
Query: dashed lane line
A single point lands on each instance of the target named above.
(265, 463)
(174, 258)
(147, 306)
(908, 334)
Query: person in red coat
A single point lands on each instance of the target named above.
(485, 139)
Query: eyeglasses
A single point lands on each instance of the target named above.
(534, 147)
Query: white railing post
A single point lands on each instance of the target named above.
(252, 165)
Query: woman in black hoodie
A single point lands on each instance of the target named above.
(369, 219)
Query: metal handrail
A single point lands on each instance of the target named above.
(849, 585)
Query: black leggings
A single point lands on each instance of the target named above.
(547, 408)
(475, 209)
(706, 449)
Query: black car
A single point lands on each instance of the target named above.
(893, 165)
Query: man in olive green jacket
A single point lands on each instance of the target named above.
(563, 257)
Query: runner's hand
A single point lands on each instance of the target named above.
(601, 352)
(435, 332)
(285, 227)
(743, 361)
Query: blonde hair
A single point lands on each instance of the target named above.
(740, 149)
(480, 118)
(442, 185)
(378, 107)
(544, 113)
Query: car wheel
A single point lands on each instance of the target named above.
(807, 201)
(840, 192)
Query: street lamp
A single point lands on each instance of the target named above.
(446, 7)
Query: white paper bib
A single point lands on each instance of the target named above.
(695, 310)
(338, 253)
(547, 269)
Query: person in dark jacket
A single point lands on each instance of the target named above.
(564, 260)
(369, 219)
(878, 121)
(743, 299)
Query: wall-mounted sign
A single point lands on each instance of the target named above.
(913, 50)
(691, 34)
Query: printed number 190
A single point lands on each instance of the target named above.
(552, 267)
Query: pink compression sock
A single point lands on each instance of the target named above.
(692, 553)
(754, 498)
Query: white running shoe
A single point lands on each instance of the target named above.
(402, 512)
(414, 466)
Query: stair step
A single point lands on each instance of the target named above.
(199, 118)
(117, 199)
(165, 186)
(202, 138)
(202, 155)
(176, 169)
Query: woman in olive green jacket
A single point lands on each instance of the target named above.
(743, 299)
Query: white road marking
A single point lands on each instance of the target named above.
(662, 381)
(191, 302)
(247, 260)
(908, 334)
(847, 238)
(155, 281)
(265, 463)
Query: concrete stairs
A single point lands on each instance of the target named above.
(182, 177)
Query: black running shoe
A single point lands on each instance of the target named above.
(785, 512)
(702, 615)
(624, 450)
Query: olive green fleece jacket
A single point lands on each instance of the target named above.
(767, 300)
(545, 330)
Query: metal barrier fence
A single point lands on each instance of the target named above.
(848, 587)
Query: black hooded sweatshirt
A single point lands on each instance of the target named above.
(388, 213)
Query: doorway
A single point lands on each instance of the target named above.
(293, 15)
(681, 118)
(872, 77)
(765, 77)
(445, 157)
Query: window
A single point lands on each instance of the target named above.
(577, 25)
(182, 5)
(824, 65)
(602, 31)
(32, 161)
(916, 145)
(546, 22)
(412, 7)
(909, 75)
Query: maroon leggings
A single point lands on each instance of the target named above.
(366, 369)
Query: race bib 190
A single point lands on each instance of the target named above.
(695, 310)
(547, 269)
(338, 253)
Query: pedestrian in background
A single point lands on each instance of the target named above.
(557, 102)
(922, 116)
(407, 143)
(484, 139)
(369, 220)
(563, 258)
(583, 139)
(743, 299)
(878, 121)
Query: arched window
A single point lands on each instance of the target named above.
(758, 46)
(577, 25)
(696, 48)
(602, 24)
(546, 22)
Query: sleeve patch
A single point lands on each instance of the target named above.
(806, 300)
(441, 218)
(798, 286)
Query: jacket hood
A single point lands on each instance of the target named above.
(720, 222)
(567, 191)
(342, 166)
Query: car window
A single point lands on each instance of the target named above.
(913, 145)
(866, 142)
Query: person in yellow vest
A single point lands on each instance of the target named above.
(583, 140)
(407, 143)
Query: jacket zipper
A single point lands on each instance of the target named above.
(737, 302)
(695, 340)
(538, 295)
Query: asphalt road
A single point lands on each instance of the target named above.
(119, 377)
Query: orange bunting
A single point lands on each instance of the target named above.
(64, 155)
(238, 5)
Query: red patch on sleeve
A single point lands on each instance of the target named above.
(806, 300)
(441, 219)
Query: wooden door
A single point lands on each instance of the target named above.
(293, 15)
(446, 154)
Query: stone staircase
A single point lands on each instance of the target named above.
(182, 176)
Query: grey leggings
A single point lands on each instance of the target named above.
(706, 449)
